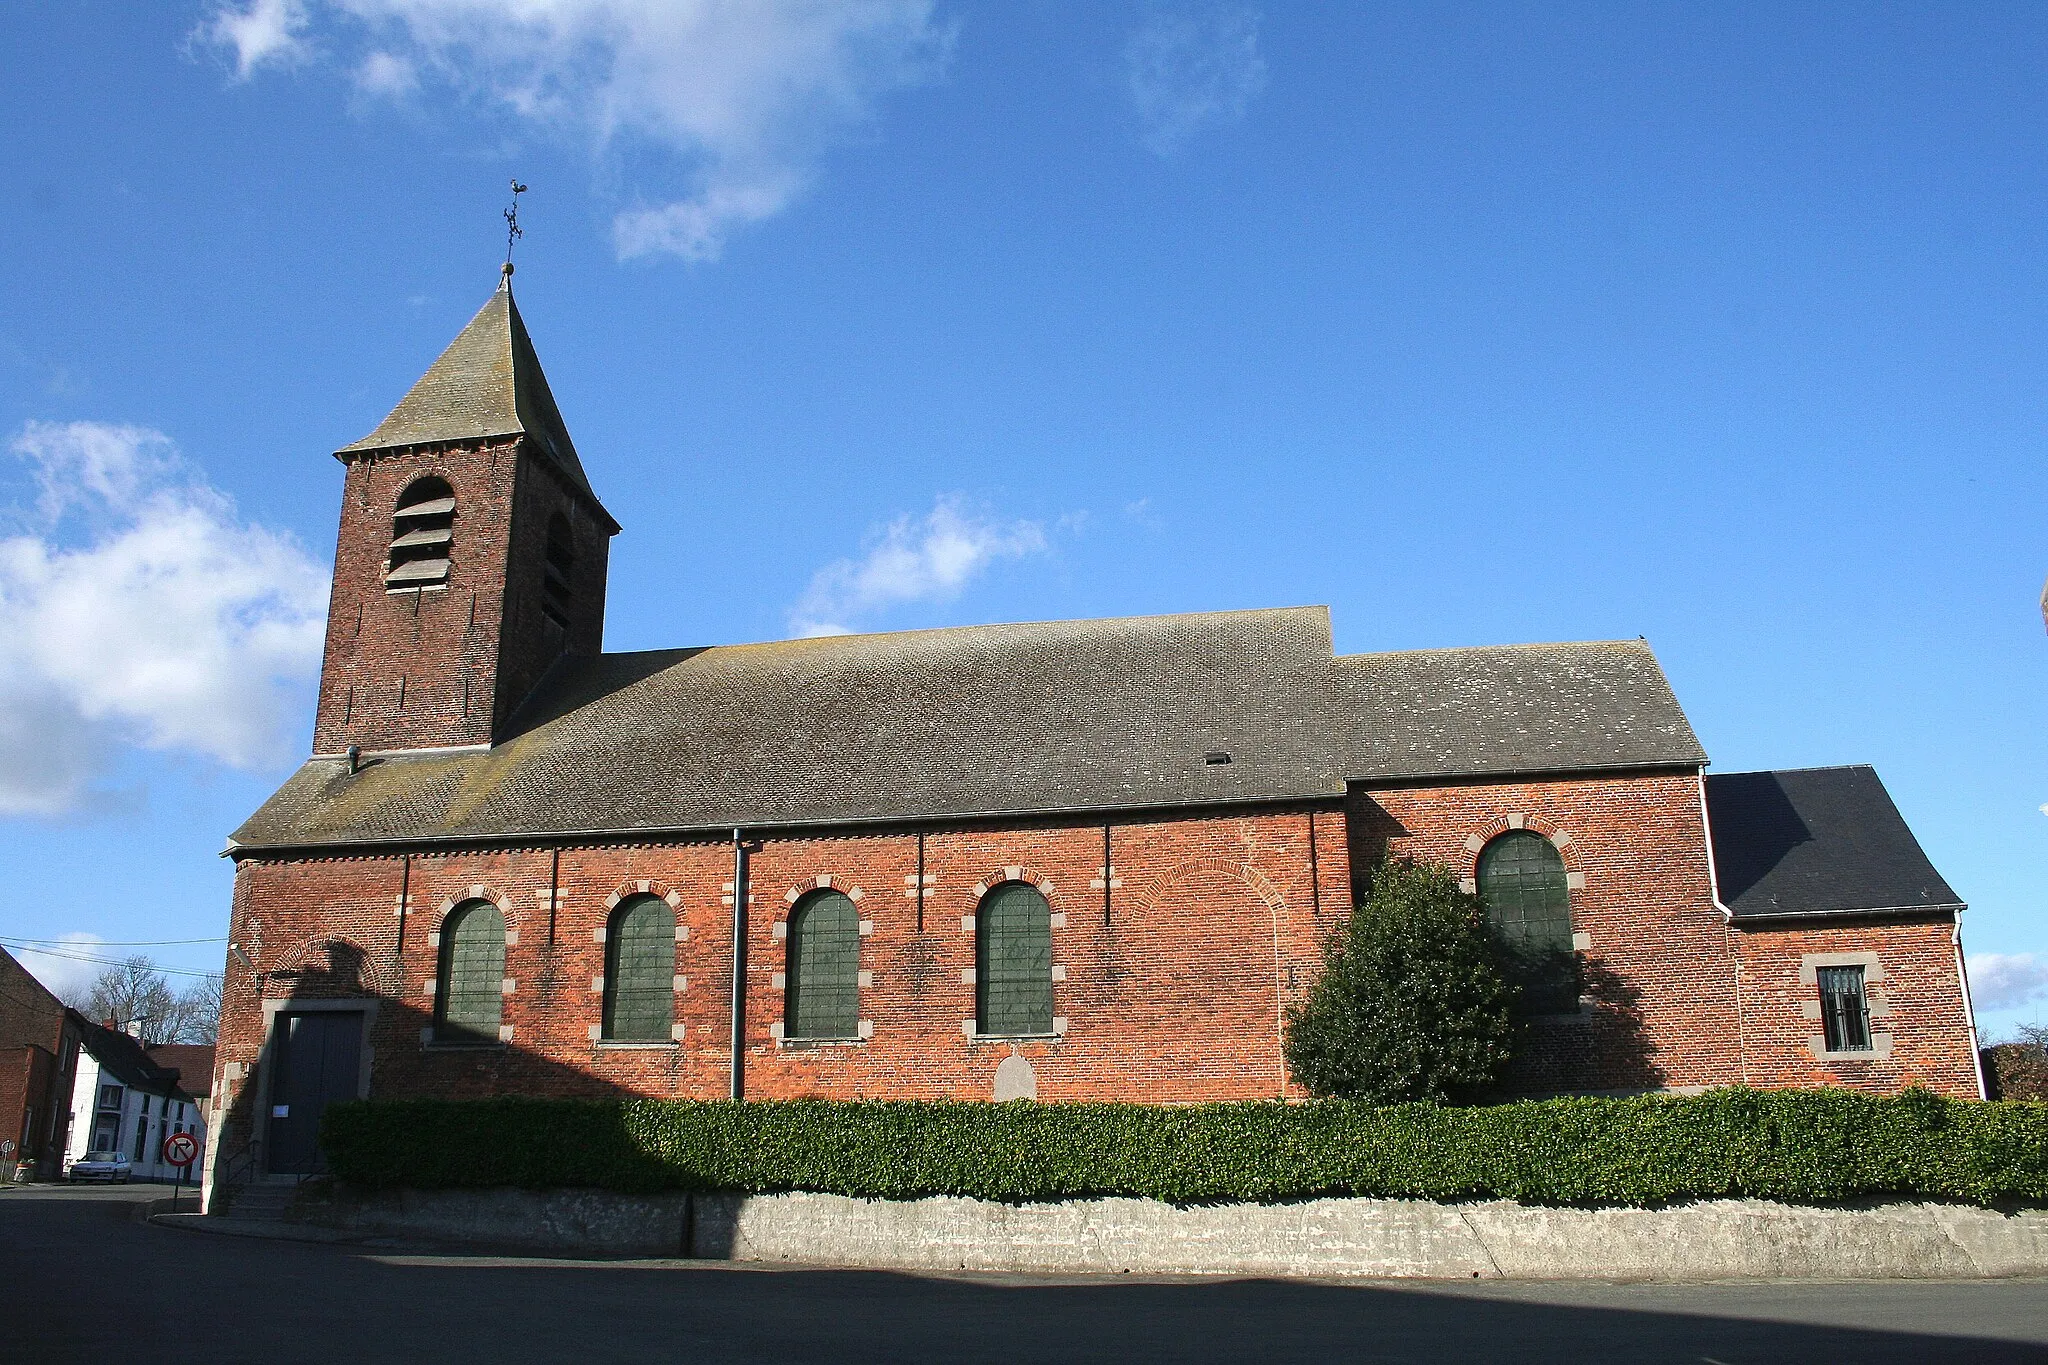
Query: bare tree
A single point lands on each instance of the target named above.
(195, 1012)
(133, 997)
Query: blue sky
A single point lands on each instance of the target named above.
(1718, 324)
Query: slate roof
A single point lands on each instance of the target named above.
(126, 1059)
(1011, 720)
(192, 1061)
(1814, 842)
(487, 383)
(1504, 709)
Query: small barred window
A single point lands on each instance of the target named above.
(422, 536)
(1844, 1009)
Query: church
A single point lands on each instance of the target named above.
(1074, 860)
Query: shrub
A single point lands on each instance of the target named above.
(1415, 1000)
(2018, 1069)
(1790, 1145)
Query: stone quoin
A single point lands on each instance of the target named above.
(1082, 860)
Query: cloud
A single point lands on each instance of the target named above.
(1187, 73)
(261, 33)
(735, 102)
(386, 76)
(142, 612)
(2003, 981)
(913, 559)
(63, 975)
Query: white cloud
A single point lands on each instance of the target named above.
(1187, 73)
(142, 612)
(64, 975)
(2044, 808)
(2003, 981)
(912, 559)
(387, 76)
(737, 99)
(261, 33)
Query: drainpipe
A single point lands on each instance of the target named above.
(1970, 1011)
(739, 966)
(1729, 942)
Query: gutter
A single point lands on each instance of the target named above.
(1847, 912)
(648, 833)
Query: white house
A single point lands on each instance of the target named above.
(127, 1099)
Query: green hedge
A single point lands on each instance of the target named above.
(1792, 1145)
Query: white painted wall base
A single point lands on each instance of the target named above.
(1714, 1239)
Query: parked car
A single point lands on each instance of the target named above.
(111, 1167)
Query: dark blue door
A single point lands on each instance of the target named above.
(318, 1059)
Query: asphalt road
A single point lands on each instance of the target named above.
(81, 1280)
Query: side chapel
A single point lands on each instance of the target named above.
(1076, 860)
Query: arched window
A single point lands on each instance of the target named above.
(822, 983)
(1522, 881)
(1013, 961)
(422, 535)
(469, 1001)
(561, 563)
(640, 972)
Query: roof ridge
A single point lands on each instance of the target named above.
(1637, 641)
(1011, 625)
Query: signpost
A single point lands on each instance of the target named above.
(180, 1150)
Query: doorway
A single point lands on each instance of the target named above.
(316, 1058)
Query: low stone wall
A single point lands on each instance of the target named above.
(1715, 1239)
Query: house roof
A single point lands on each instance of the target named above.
(487, 383)
(192, 1061)
(1816, 842)
(1007, 720)
(123, 1056)
(1503, 709)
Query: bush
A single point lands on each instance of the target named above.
(2018, 1069)
(1790, 1145)
(1415, 1001)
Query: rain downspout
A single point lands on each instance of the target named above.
(739, 966)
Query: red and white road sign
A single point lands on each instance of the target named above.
(181, 1149)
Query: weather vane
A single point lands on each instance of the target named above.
(512, 231)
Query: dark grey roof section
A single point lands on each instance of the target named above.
(487, 383)
(1505, 709)
(1007, 719)
(123, 1057)
(1817, 841)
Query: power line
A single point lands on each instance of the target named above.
(104, 961)
(112, 943)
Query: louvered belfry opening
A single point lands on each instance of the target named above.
(422, 536)
(561, 562)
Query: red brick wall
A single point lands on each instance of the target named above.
(447, 667)
(1211, 928)
(1658, 965)
(1917, 1005)
(31, 1036)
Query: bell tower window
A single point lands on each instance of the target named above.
(561, 564)
(422, 534)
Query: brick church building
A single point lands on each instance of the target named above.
(1078, 860)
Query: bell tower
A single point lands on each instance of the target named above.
(471, 556)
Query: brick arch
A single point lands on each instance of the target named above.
(478, 891)
(823, 881)
(1152, 890)
(328, 965)
(1482, 835)
(1016, 872)
(644, 886)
